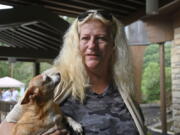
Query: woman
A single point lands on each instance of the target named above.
(97, 80)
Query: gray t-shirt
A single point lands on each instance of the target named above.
(101, 114)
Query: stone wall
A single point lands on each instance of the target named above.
(175, 63)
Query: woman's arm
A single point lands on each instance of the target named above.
(59, 132)
(6, 128)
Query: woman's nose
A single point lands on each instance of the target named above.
(92, 43)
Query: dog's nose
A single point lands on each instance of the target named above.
(58, 74)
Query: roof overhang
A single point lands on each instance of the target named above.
(30, 32)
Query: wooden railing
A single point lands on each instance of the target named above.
(5, 107)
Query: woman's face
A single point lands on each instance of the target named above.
(96, 45)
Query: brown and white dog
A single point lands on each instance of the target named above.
(40, 112)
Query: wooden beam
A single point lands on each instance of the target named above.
(41, 28)
(120, 4)
(16, 15)
(169, 7)
(27, 53)
(46, 27)
(38, 40)
(3, 39)
(15, 3)
(29, 59)
(176, 19)
(33, 38)
(12, 41)
(66, 3)
(62, 10)
(137, 2)
(133, 16)
(47, 40)
(36, 68)
(166, 10)
(20, 40)
(97, 5)
(39, 33)
(159, 29)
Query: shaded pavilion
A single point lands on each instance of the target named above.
(26, 33)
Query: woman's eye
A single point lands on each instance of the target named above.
(84, 38)
(101, 38)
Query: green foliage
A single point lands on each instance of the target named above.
(22, 71)
(45, 66)
(151, 54)
(4, 68)
(150, 82)
(2, 44)
(151, 74)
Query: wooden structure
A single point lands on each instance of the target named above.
(5, 107)
(30, 33)
(46, 35)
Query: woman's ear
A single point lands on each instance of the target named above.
(31, 93)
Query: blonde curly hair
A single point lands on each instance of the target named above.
(69, 61)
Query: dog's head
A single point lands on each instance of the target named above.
(41, 88)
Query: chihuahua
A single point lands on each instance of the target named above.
(40, 112)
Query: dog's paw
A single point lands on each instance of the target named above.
(75, 125)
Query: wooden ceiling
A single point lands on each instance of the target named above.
(126, 10)
(32, 29)
(30, 33)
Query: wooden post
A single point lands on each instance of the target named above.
(11, 61)
(11, 70)
(152, 7)
(36, 68)
(138, 59)
(162, 90)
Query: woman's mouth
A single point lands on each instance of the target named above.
(92, 56)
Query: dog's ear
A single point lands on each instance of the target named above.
(30, 95)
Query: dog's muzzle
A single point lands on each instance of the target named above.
(56, 78)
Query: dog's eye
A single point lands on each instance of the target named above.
(47, 79)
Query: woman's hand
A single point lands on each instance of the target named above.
(6, 128)
(58, 132)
